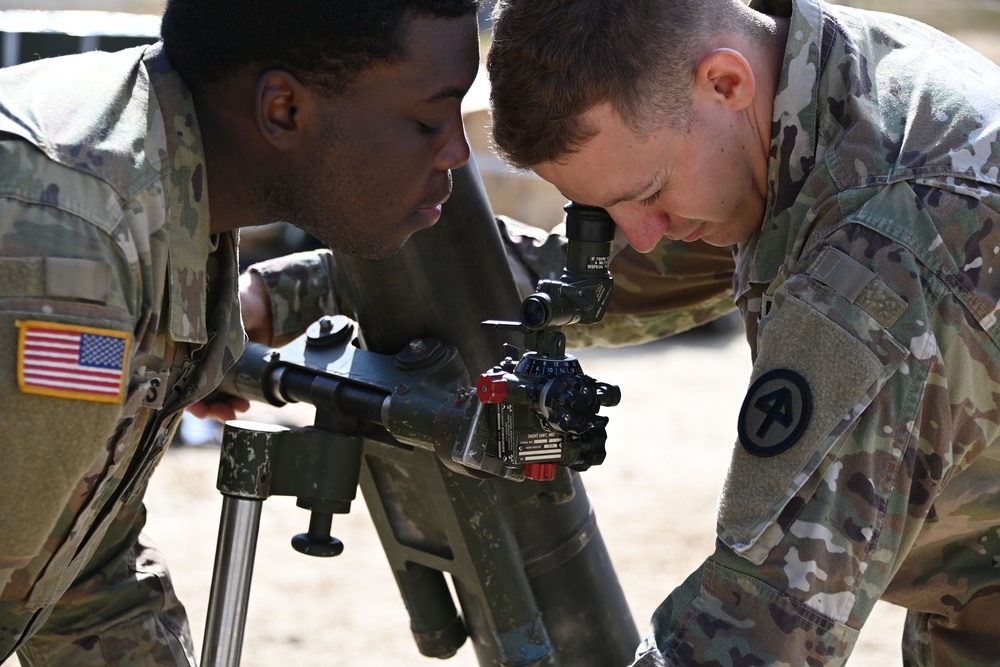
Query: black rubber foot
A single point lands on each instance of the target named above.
(312, 547)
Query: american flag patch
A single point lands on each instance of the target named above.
(71, 361)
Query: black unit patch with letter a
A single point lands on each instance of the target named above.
(775, 412)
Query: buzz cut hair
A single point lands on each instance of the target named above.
(552, 60)
(324, 42)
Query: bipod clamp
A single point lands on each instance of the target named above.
(319, 468)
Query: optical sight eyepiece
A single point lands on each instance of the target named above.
(589, 223)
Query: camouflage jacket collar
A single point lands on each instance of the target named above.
(183, 165)
(793, 141)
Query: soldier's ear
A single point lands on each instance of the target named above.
(280, 98)
(725, 76)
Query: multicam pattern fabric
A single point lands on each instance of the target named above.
(104, 225)
(301, 288)
(874, 280)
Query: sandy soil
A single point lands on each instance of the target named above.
(654, 497)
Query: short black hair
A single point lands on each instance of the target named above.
(327, 42)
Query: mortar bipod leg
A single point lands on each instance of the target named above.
(227, 602)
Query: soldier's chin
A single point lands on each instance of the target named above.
(415, 223)
(385, 249)
(389, 242)
(387, 252)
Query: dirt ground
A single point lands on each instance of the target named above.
(654, 498)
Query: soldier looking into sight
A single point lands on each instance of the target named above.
(851, 160)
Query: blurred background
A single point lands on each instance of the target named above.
(668, 440)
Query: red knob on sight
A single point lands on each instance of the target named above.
(491, 387)
(540, 472)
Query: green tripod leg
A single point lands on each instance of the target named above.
(529, 566)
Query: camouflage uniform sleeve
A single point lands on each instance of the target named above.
(675, 287)
(301, 289)
(57, 272)
(863, 407)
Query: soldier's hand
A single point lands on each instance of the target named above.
(219, 406)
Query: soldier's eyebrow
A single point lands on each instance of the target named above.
(636, 192)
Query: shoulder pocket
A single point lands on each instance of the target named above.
(840, 356)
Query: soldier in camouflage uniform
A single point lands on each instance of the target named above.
(123, 180)
(852, 160)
